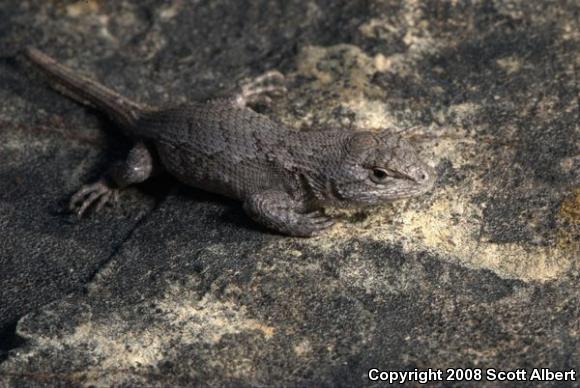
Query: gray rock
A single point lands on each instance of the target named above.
(176, 287)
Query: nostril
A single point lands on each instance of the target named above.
(422, 176)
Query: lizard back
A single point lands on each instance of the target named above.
(217, 146)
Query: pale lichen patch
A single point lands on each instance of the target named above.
(82, 7)
(118, 346)
(510, 64)
(303, 348)
(451, 227)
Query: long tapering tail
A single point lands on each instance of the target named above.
(86, 91)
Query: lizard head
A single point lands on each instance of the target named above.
(378, 167)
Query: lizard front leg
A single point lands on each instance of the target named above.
(277, 210)
(136, 168)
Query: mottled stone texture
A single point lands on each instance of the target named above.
(176, 287)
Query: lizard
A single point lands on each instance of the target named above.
(284, 177)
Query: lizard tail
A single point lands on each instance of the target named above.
(86, 91)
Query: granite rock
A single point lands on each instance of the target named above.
(176, 287)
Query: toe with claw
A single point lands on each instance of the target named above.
(99, 193)
(314, 223)
(259, 90)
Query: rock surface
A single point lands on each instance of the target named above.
(175, 287)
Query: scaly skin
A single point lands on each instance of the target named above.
(283, 177)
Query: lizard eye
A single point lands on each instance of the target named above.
(379, 175)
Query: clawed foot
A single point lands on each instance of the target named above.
(314, 223)
(258, 91)
(100, 193)
(277, 210)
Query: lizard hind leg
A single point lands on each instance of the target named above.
(136, 168)
(259, 90)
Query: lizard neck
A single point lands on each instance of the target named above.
(316, 158)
